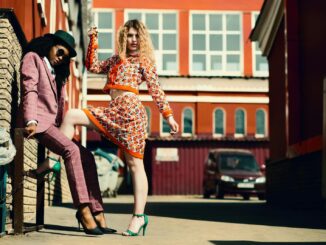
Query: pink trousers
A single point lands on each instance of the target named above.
(80, 167)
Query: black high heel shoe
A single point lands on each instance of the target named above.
(105, 230)
(95, 231)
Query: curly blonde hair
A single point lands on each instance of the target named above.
(146, 50)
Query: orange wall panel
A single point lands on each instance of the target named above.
(184, 43)
(244, 5)
(247, 44)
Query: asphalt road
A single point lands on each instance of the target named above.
(187, 220)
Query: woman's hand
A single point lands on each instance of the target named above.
(92, 31)
(173, 125)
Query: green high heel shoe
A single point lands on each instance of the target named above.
(55, 169)
(143, 227)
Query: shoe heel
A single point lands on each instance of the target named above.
(144, 230)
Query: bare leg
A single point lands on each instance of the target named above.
(73, 118)
(140, 186)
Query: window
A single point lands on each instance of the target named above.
(148, 112)
(239, 122)
(260, 123)
(260, 64)
(216, 44)
(165, 128)
(103, 19)
(162, 27)
(187, 120)
(219, 122)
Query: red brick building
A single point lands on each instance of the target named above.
(214, 77)
(291, 35)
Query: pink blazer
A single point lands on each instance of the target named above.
(39, 99)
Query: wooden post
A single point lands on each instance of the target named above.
(18, 191)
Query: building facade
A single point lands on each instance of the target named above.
(213, 75)
(289, 35)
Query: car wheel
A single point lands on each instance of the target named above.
(246, 196)
(262, 197)
(219, 193)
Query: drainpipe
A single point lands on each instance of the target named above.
(84, 105)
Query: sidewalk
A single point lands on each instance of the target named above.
(186, 220)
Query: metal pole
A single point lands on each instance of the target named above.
(84, 105)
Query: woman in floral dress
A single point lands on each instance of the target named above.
(124, 120)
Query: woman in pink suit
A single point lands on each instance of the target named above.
(123, 121)
(44, 72)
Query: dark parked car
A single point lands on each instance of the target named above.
(233, 171)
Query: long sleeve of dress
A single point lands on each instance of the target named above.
(155, 90)
(92, 62)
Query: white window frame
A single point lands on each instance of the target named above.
(255, 52)
(265, 125)
(236, 135)
(159, 53)
(162, 134)
(193, 122)
(215, 135)
(208, 71)
(95, 12)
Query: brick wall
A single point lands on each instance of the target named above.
(10, 55)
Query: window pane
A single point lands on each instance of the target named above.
(148, 112)
(105, 40)
(104, 55)
(155, 40)
(233, 22)
(233, 63)
(261, 63)
(239, 122)
(216, 42)
(260, 122)
(198, 22)
(169, 21)
(187, 121)
(198, 42)
(169, 41)
(219, 122)
(166, 127)
(105, 20)
(152, 21)
(216, 62)
(132, 16)
(199, 62)
(233, 42)
(215, 22)
(170, 62)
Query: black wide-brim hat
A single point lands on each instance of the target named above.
(65, 39)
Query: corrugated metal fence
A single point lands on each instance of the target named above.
(185, 175)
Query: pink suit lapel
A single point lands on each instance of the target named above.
(51, 79)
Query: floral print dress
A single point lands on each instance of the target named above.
(124, 120)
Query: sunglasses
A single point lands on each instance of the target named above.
(61, 53)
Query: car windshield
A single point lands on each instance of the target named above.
(238, 162)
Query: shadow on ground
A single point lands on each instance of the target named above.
(258, 213)
(264, 243)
